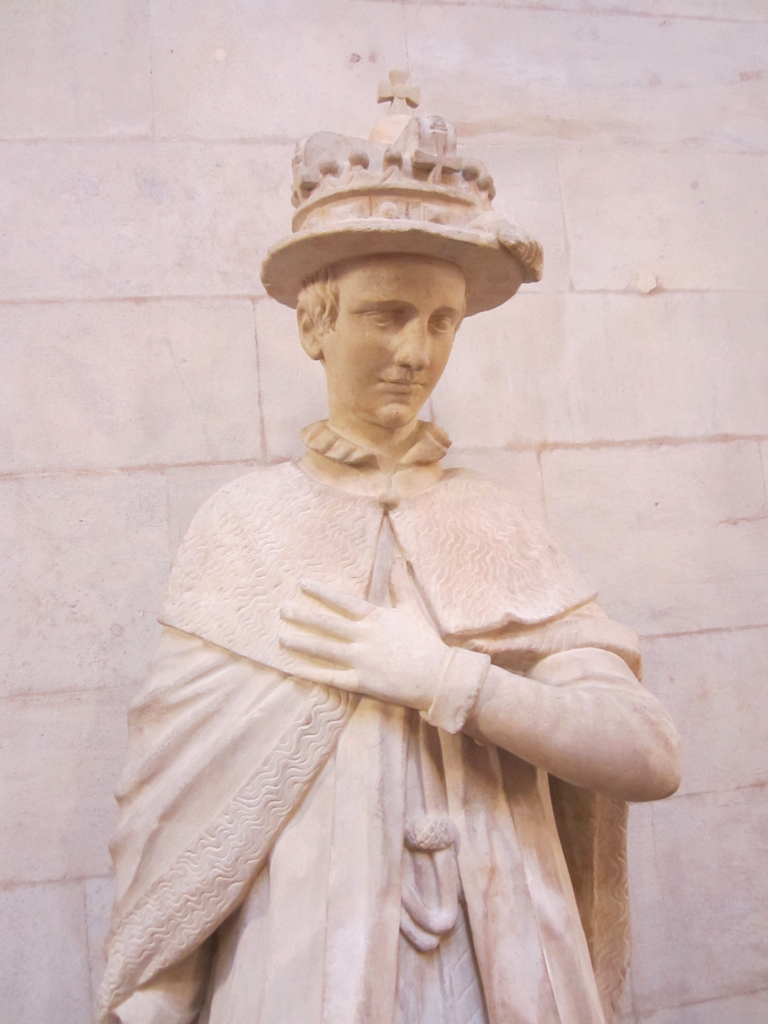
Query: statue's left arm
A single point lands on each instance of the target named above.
(583, 716)
(579, 713)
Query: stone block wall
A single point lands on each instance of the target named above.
(145, 151)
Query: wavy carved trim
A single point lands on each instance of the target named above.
(611, 946)
(204, 884)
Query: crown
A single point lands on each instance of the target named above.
(404, 189)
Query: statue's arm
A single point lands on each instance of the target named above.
(206, 725)
(580, 713)
(582, 716)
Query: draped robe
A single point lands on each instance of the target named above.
(259, 854)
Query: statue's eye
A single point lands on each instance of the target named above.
(441, 323)
(380, 318)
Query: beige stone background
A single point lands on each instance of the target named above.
(144, 170)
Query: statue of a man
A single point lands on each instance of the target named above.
(378, 773)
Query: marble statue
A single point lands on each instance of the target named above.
(379, 771)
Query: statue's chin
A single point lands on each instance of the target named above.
(395, 415)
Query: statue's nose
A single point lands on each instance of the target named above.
(413, 350)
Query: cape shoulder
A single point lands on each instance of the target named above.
(484, 560)
(248, 549)
(480, 561)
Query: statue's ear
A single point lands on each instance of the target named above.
(311, 337)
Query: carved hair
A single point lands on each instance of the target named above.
(319, 299)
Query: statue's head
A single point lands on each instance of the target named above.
(394, 241)
(383, 327)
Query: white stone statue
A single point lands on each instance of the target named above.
(378, 772)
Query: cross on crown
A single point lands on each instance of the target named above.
(399, 93)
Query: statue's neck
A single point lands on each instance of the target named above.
(335, 459)
(388, 446)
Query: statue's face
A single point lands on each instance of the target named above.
(398, 316)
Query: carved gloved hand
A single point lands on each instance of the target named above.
(392, 654)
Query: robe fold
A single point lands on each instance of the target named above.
(272, 812)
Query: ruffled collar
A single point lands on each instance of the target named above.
(430, 445)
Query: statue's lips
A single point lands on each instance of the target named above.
(399, 387)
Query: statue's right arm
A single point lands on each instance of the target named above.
(204, 725)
